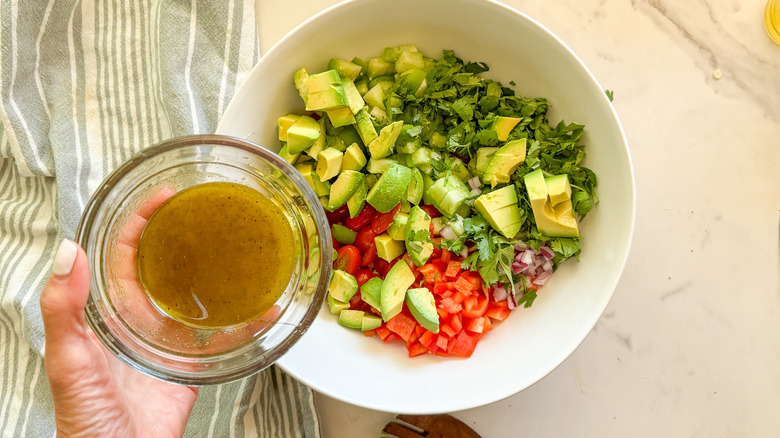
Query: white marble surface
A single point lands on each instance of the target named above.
(690, 343)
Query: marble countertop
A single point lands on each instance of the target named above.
(690, 343)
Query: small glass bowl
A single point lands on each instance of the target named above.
(126, 320)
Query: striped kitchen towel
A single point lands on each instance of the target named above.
(84, 85)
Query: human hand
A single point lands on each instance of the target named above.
(94, 393)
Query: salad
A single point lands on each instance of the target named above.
(451, 199)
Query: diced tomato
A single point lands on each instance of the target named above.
(476, 325)
(337, 215)
(446, 328)
(428, 339)
(362, 219)
(436, 248)
(336, 245)
(459, 297)
(453, 268)
(450, 306)
(416, 349)
(383, 332)
(381, 266)
(475, 306)
(382, 221)
(369, 333)
(356, 302)
(488, 325)
(391, 337)
(431, 273)
(445, 255)
(402, 325)
(442, 313)
(369, 256)
(442, 341)
(431, 210)
(364, 239)
(464, 284)
(465, 344)
(363, 275)
(441, 266)
(498, 310)
(440, 288)
(456, 322)
(348, 259)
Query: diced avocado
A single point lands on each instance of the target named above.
(351, 318)
(343, 188)
(284, 124)
(379, 114)
(558, 188)
(342, 234)
(325, 91)
(419, 223)
(329, 163)
(420, 157)
(345, 68)
(320, 188)
(302, 134)
(343, 286)
(358, 200)
(388, 248)
(375, 97)
(448, 194)
(364, 126)
(378, 67)
(409, 60)
(484, 155)
(335, 306)
(371, 291)
(558, 221)
(416, 187)
(397, 282)
(370, 322)
(382, 146)
(505, 161)
(500, 209)
(391, 188)
(379, 166)
(287, 156)
(354, 158)
(299, 79)
(354, 98)
(371, 178)
(397, 229)
(318, 146)
(504, 125)
(423, 307)
(340, 116)
(349, 135)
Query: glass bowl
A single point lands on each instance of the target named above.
(125, 318)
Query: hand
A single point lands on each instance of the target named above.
(94, 393)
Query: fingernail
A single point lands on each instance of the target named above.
(64, 258)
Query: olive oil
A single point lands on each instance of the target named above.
(216, 255)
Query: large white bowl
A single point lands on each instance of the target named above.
(347, 366)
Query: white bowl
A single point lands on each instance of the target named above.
(343, 364)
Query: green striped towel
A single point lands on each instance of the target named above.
(84, 85)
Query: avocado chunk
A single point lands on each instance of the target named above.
(354, 158)
(343, 188)
(423, 307)
(319, 144)
(354, 99)
(335, 306)
(388, 248)
(380, 165)
(351, 318)
(419, 249)
(391, 188)
(397, 229)
(320, 188)
(416, 187)
(448, 194)
(358, 199)
(504, 125)
(505, 161)
(329, 163)
(370, 322)
(557, 221)
(343, 286)
(500, 209)
(371, 291)
(345, 68)
(302, 134)
(558, 189)
(397, 282)
(325, 91)
(287, 156)
(340, 116)
(299, 79)
(342, 234)
(284, 123)
(364, 126)
(382, 146)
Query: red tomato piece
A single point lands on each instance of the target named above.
(446, 328)
(382, 221)
(381, 266)
(440, 288)
(498, 310)
(362, 219)
(348, 259)
(488, 325)
(456, 322)
(475, 325)
(462, 284)
(369, 256)
(459, 297)
(369, 333)
(445, 255)
(431, 210)
(453, 269)
(436, 248)
(391, 337)
(475, 306)
(363, 275)
(450, 306)
(337, 215)
(441, 342)
(402, 325)
(336, 245)
(364, 239)
(465, 343)
(383, 332)
(428, 339)
(416, 349)
(431, 273)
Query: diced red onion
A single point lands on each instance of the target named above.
(547, 265)
(518, 267)
(499, 293)
(464, 253)
(547, 252)
(475, 183)
(528, 257)
(447, 233)
(542, 278)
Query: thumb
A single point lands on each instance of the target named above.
(64, 297)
